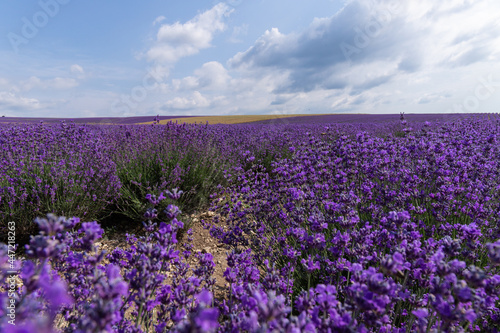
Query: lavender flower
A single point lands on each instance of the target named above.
(310, 265)
(494, 252)
(175, 194)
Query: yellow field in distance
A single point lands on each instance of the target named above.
(227, 119)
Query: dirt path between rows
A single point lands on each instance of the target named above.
(202, 242)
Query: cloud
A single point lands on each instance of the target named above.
(57, 83)
(374, 82)
(89, 103)
(372, 56)
(433, 97)
(12, 102)
(195, 101)
(4, 83)
(159, 19)
(211, 76)
(78, 71)
(238, 31)
(268, 51)
(405, 37)
(316, 57)
(282, 99)
(178, 40)
(62, 83)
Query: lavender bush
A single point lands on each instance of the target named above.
(156, 158)
(63, 169)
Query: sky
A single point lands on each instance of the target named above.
(69, 58)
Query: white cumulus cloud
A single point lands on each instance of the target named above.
(13, 102)
(58, 83)
(78, 71)
(159, 19)
(178, 40)
(195, 101)
(211, 76)
(385, 54)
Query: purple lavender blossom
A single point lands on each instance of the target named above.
(175, 194)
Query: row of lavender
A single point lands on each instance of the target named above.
(376, 118)
(403, 230)
(95, 120)
(354, 227)
(91, 171)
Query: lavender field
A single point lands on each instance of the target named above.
(95, 120)
(342, 223)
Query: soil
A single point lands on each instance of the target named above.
(202, 242)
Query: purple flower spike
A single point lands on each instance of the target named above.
(43, 247)
(52, 225)
(179, 315)
(161, 197)
(395, 264)
(205, 297)
(93, 231)
(172, 211)
(494, 252)
(151, 214)
(399, 217)
(420, 313)
(152, 199)
(165, 228)
(117, 286)
(175, 194)
(310, 265)
(56, 294)
(207, 320)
